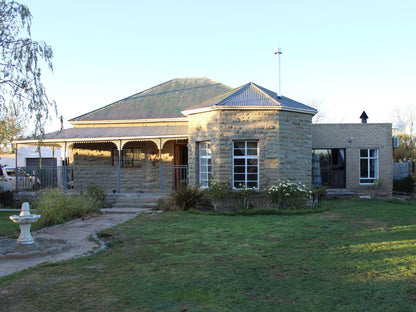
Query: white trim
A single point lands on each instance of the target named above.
(106, 139)
(246, 158)
(204, 182)
(376, 164)
(219, 108)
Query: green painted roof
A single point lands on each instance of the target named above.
(166, 100)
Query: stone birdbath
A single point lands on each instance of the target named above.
(25, 220)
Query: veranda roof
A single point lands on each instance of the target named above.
(96, 134)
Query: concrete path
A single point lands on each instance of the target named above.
(76, 233)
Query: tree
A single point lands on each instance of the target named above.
(11, 128)
(22, 94)
(320, 116)
(406, 132)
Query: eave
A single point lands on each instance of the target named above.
(222, 108)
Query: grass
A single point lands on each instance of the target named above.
(358, 255)
(7, 227)
(57, 207)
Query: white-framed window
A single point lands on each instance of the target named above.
(204, 163)
(368, 166)
(245, 164)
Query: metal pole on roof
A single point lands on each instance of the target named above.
(278, 52)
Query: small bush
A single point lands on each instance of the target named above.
(318, 193)
(56, 207)
(97, 195)
(216, 192)
(186, 197)
(6, 199)
(243, 194)
(163, 204)
(288, 195)
(405, 185)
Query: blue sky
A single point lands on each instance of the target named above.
(347, 56)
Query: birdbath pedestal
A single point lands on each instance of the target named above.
(25, 220)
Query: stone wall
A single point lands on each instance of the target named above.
(95, 165)
(371, 136)
(284, 141)
(295, 144)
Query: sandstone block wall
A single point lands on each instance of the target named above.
(295, 145)
(96, 166)
(284, 141)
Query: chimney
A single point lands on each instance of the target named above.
(278, 52)
(364, 117)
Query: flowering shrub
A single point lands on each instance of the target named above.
(288, 195)
(216, 191)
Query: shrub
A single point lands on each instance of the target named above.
(6, 199)
(56, 207)
(405, 185)
(97, 195)
(318, 193)
(186, 197)
(243, 195)
(216, 191)
(288, 195)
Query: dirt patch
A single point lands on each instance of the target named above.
(328, 215)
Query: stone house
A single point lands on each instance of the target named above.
(198, 130)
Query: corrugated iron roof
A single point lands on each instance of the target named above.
(108, 133)
(251, 95)
(166, 100)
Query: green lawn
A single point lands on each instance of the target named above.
(7, 227)
(359, 255)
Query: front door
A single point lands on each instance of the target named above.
(180, 160)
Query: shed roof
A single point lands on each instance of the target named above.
(166, 100)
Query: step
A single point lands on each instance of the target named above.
(339, 193)
(125, 210)
(135, 205)
(134, 200)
